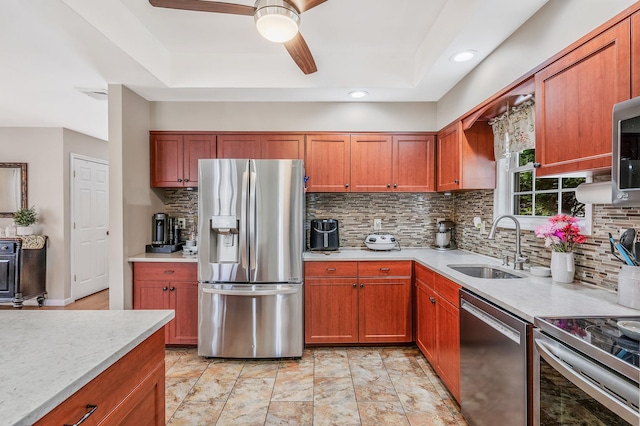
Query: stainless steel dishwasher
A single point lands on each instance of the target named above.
(494, 354)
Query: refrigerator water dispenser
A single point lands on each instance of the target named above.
(223, 240)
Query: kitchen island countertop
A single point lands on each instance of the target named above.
(48, 355)
(526, 297)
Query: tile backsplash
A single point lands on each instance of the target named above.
(412, 218)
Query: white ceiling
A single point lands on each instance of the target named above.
(397, 50)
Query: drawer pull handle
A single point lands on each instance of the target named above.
(91, 409)
(169, 271)
(385, 269)
(432, 300)
(331, 269)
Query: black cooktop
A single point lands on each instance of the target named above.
(612, 347)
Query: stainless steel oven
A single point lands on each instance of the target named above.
(585, 372)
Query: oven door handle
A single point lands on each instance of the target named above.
(251, 293)
(561, 358)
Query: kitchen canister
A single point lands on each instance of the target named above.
(629, 286)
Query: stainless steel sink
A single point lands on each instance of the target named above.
(484, 271)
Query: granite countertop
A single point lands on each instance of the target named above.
(49, 355)
(527, 297)
(176, 256)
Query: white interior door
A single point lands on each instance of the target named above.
(89, 226)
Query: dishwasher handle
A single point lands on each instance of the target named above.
(251, 293)
(608, 389)
(491, 321)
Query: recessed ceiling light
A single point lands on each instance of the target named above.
(463, 56)
(358, 94)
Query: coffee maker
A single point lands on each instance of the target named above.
(324, 235)
(165, 234)
(445, 235)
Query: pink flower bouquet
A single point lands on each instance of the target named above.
(561, 233)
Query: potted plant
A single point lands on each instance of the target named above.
(24, 218)
(561, 233)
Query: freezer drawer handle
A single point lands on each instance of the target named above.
(492, 322)
(253, 293)
(91, 409)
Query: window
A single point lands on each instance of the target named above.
(534, 199)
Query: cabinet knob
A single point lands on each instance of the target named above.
(5, 247)
(432, 300)
(186, 180)
(165, 288)
(169, 271)
(346, 185)
(536, 165)
(395, 185)
(457, 181)
(179, 180)
(171, 288)
(388, 185)
(355, 285)
(361, 285)
(385, 269)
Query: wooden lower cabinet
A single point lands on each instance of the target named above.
(167, 285)
(358, 302)
(438, 325)
(130, 392)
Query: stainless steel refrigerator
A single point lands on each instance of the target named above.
(250, 270)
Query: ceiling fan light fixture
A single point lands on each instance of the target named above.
(276, 21)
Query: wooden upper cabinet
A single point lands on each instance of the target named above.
(574, 99)
(328, 162)
(238, 146)
(635, 55)
(413, 163)
(282, 147)
(371, 163)
(174, 158)
(465, 158)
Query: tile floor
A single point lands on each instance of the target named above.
(327, 386)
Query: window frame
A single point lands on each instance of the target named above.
(504, 194)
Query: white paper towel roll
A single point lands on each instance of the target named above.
(594, 193)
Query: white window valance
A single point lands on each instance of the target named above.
(514, 131)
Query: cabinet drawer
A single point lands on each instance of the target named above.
(424, 275)
(448, 290)
(330, 269)
(165, 271)
(7, 247)
(385, 269)
(108, 390)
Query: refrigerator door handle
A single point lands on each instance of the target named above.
(252, 293)
(252, 223)
(243, 221)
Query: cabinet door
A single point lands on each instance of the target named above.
(328, 163)
(426, 313)
(574, 99)
(331, 310)
(184, 300)
(238, 146)
(282, 147)
(166, 160)
(153, 295)
(448, 158)
(7, 276)
(635, 55)
(195, 148)
(371, 163)
(449, 345)
(413, 163)
(385, 310)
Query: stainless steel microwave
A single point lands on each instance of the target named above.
(625, 164)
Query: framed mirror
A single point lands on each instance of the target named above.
(13, 188)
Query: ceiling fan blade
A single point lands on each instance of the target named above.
(205, 6)
(301, 54)
(304, 5)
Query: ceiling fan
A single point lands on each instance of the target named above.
(276, 20)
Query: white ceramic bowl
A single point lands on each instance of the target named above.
(631, 329)
(540, 271)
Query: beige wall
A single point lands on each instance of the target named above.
(294, 116)
(46, 151)
(131, 200)
(558, 24)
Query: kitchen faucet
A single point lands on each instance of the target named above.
(518, 258)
